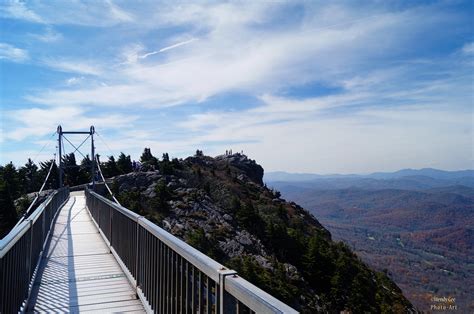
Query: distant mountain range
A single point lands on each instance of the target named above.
(428, 172)
(410, 179)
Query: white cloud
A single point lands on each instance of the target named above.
(375, 139)
(18, 9)
(48, 36)
(237, 52)
(468, 48)
(102, 14)
(37, 122)
(12, 53)
(74, 80)
(118, 13)
(73, 66)
(381, 120)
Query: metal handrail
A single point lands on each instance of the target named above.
(21, 250)
(169, 274)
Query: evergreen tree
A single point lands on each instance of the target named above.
(166, 167)
(124, 164)
(162, 196)
(317, 264)
(11, 180)
(85, 170)
(53, 180)
(8, 215)
(29, 177)
(110, 168)
(72, 176)
(148, 160)
(248, 217)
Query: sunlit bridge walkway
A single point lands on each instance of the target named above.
(78, 272)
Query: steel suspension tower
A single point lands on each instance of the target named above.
(60, 144)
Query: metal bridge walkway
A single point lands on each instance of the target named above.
(78, 272)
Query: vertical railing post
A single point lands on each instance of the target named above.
(43, 220)
(137, 252)
(92, 131)
(60, 172)
(31, 249)
(111, 212)
(224, 272)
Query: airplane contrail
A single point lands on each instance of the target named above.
(168, 48)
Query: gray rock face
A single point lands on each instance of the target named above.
(251, 169)
(138, 180)
(231, 248)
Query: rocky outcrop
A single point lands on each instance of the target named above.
(247, 166)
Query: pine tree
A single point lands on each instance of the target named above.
(166, 167)
(124, 164)
(85, 170)
(72, 175)
(29, 178)
(11, 180)
(8, 215)
(110, 168)
(53, 180)
(248, 217)
(148, 160)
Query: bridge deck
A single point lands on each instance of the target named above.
(78, 273)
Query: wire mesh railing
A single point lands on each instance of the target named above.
(170, 276)
(21, 250)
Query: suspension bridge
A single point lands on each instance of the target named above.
(79, 251)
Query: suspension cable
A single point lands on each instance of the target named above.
(104, 142)
(42, 148)
(75, 147)
(39, 192)
(105, 183)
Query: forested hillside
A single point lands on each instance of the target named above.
(423, 238)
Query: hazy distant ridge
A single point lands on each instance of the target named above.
(425, 172)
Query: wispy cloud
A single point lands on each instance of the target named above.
(37, 122)
(234, 56)
(12, 53)
(102, 14)
(468, 48)
(49, 35)
(118, 13)
(73, 66)
(74, 80)
(17, 9)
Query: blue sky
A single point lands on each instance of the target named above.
(311, 86)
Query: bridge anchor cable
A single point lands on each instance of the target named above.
(53, 161)
(105, 182)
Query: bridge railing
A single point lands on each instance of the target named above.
(171, 276)
(21, 250)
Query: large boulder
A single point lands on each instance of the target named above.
(248, 166)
